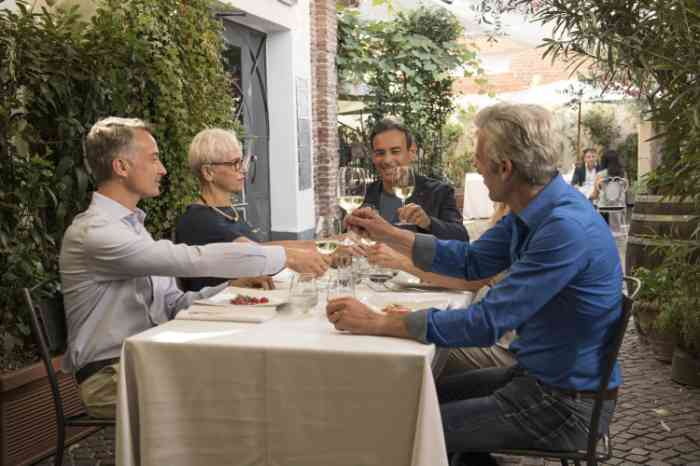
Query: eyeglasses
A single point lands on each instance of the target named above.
(241, 164)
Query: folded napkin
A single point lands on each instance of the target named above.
(283, 277)
(254, 314)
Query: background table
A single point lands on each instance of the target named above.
(290, 391)
(476, 197)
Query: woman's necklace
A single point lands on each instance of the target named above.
(232, 218)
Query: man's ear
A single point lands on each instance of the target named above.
(120, 168)
(506, 169)
(412, 151)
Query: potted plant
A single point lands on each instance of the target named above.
(657, 284)
(680, 316)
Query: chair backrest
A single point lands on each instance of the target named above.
(610, 360)
(48, 322)
(613, 192)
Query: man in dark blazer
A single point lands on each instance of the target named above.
(431, 207)
(589, 163)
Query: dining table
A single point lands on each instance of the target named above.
(286, 389)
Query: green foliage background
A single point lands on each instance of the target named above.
(409, 65)
(153, 59)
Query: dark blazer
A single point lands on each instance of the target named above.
(438, 201)
(580, 175)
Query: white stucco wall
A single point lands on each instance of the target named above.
(288, 58)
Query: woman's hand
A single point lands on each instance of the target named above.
(396, 310)
(264, 282)
(383, 256)
(366, 222)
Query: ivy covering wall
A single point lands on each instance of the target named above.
(159, 60)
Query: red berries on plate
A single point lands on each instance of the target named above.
(242, 299)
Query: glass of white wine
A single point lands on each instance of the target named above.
(352, 186)
(327, 232)
(403, 184)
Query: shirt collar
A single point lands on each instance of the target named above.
(116, 210)
(543, 203)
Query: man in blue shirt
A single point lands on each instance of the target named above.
(562, 294)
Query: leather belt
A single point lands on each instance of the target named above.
(610, 394)
(92, 368)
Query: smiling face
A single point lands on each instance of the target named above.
(589, 159)
(145, 169)
(389, 150)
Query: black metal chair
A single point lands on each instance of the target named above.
(48, 321)
(592, 455)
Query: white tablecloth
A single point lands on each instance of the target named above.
(476, 197)
(290, 391)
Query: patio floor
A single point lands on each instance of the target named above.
(656, 423)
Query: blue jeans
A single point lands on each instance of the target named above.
(507, 408)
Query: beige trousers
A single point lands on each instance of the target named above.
(467, 359)
(99, 392)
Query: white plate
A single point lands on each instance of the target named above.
(409, 285)
(275, 297)
(412, 302)
(406, 280)
(226, 302)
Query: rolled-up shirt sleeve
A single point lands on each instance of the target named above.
(417, 325)
(118, 252)
(423, 251)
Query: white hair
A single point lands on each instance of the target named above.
(523, 134)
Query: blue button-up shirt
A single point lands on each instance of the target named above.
(562, 293)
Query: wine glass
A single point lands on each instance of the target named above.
(403, 183)
(352, 186)
(364, 239)
(327, 231)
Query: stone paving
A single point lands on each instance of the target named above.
(656, 423)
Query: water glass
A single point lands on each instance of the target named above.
(303, 293)
(343, 285)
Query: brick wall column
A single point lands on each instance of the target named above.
(324, 95)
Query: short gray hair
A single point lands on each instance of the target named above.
(107, 140)
(523, 134)
(211, 145)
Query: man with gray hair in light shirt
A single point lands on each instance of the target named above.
(117, 280)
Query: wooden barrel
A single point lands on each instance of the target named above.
(653, 219)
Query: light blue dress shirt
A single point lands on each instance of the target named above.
(118, 281)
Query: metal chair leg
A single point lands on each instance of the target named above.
(60, 442)
(58, 460)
